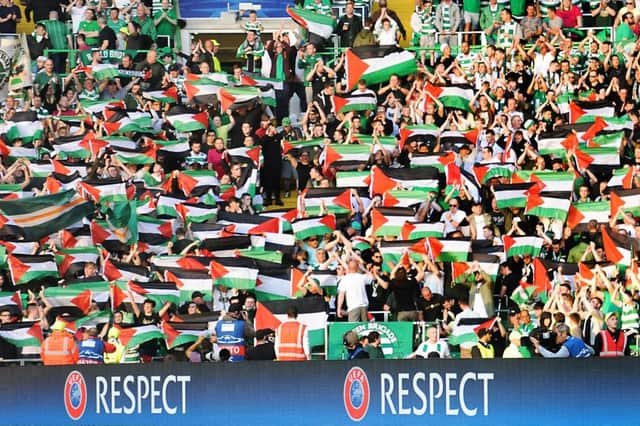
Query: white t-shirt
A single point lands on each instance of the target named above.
(435, 282)
(427, 347)
(77, 16)
(353, 285)
(458, 217)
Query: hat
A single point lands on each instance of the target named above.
(215, 42)
(263, 332)
(59, 325)
(124, 30)
(286, 121)
(356, 226)
(609, 315)
(234, 307)
(196, 294)
(529, 123)
(113, 333)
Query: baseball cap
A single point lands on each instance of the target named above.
(196, 294)
(286, 121)
(608, 315)
(528, 124)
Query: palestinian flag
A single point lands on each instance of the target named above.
(126, 125)
(21, 334)
(151, 225)
(88, 321)
(72, 260)
(168, 96)
(80, 147)
(160, 292)
(233, 274)
(485, 172)
(166, 205)
(315, 23)
(465, 330)
(98, 287)
(189, 281)
(236, 97)
(69, 297)
(313, 226)
(518, 246)
(452, 139)
(488, 263)
(27, 268)
(183, 333)
(115, 270)
(345, 156)
(178, 148)
(133, 336)
(375, 64)
(423, 133)
(449, 250)
(556, 142)
(208, 231)
(628, 199)
(352, 179)
(583, 110)
(547, 181)
(190, 263)
(24, 125)
(196, 212)
(246, 155)
(394, 251)
(16, 152)
(277, 283)
(608, 140)
(403, 198)
(356, 101)
(422, 178)
(388, 143)
(261, 254)
(11, 298)
(435, 160)
(389, 221)
(281, 243)
(184, 120)
(599, 157)
(104, 190)
(582, 213)
(197, 180)
(137, 156)
(454, 96)
(554, 207)
(252, 79)
(336, 200)
(415, 230)
(622, 178)
(511, 195)
(249, 224)
(311, 312)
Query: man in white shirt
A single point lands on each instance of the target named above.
(432, 346)
(453, 217)
(352, 288)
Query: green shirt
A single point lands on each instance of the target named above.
(58, 34)
(42, 79)
(471, 6)
(147, 27)
(165, 28)
(90, 26)
(374, 352)
(116, 25)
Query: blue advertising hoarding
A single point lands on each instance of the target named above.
(385, 392)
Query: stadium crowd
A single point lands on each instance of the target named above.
(484, 181)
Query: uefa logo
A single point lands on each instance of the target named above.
(356, 394)
(75, 395)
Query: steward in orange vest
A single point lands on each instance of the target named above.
(611, 342)
(59, 348)
(292, 339)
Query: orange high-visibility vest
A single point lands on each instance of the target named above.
(289, 343)
(59, 349)
(611, 348)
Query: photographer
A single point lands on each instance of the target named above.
(264, 349)
(233, 332)
(571, 347)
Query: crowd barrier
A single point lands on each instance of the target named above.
(370, 392)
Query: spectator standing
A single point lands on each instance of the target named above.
(292, 339)
(59, 348)
(611, 342)
(10, 17)
(264, 350)
(147, 25)
(233, 332)
(352, 288)
(349, 25)
(447, 21)
(166, 23)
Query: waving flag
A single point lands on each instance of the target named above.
(628, 199)
(547, 181)
(37, 217)
(518, 246)
(233, 273)
(236, 97)
(24, 125)
(313, 226)
(355, 101)
(622, 178)
(69, 297)
(27, 268)
(617, 247)
(278, 282)
(183, 120)
(389, 221)
(589, 110)
(315, 23)
(554, 207)
(183, 333)
(582, 213)
(375, 64)
(454, 96)
(133, 336)
(345, 156)
(311, 312)
(21, 334)
(403, 198)
(511, 195)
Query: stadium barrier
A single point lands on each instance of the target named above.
(371, 392)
